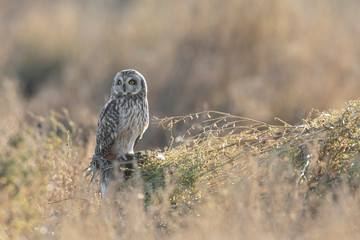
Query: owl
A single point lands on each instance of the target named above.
(123, 120)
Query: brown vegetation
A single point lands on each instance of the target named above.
(223, 176)
(260, 59)
(219, 175)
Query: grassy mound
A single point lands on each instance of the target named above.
(221, 176)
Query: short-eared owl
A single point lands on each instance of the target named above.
(123, 119)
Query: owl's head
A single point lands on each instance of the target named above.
(128, 82)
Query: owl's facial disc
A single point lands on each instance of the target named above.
(128, 82)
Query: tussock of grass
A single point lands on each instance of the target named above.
(222, 176)
(321, 149)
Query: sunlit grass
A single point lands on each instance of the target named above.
(244, 175)
(220, 170)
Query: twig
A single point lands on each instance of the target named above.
(302, 175)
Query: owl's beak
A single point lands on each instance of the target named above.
(124, 88)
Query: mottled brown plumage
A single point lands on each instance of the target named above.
(123, 120)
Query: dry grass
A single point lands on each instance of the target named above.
(260, 60)
(211, 175)
(224, 176)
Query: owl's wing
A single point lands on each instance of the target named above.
(143, 130)
(107, 126)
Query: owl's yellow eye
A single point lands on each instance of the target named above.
(132, 82)
(119, 82)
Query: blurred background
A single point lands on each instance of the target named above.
(260, 59)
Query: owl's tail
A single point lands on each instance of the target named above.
(97, 165)
(102, 168)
